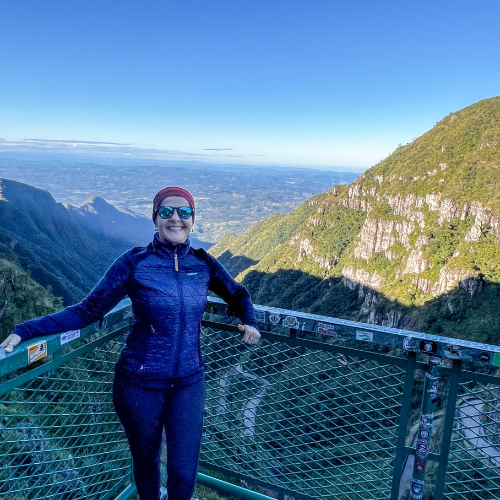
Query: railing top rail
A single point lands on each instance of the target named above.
(483, 354)
(380, 335)
(33, 350)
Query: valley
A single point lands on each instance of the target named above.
(229, 199)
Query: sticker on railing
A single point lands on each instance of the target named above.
(433, 391)
(37, 351)
(417, 488)
(484, 357)
(420, 466)
(326, 329)
(428, 347)
(291, 322)
(426, 420)
(422, 448)
(424, 434)
(496, 359)
(364, 336)
(410, 344)
(260, 316)
(274, 319)
(452, 351)
(69, 336)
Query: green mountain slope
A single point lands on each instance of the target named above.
(21, 298)
(238, 253)
(38, 235)
(412, 243)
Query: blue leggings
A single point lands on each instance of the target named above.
(144, 413)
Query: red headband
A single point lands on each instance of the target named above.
(171, 191)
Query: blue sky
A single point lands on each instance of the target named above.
(266, 82)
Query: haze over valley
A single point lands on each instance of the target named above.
(229, 199)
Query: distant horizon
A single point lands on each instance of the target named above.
(110, 160)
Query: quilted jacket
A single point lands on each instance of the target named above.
(168, 287)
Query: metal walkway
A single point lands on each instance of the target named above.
(321, 409)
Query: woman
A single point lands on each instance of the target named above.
(159, 379)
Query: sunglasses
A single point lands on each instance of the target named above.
(166, 212)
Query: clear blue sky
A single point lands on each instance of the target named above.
(268, 82)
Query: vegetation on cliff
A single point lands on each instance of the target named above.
(40, 236)
(413, 243)
(21, 298)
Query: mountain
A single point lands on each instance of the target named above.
(102, 219)
(66, 248)
(229, 198)
(114, 226)
(39, 235)
(412, 243)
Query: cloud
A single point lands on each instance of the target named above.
(216, 149)
(102, 149)
(63, 141)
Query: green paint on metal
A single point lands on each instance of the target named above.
(60, 437)
(496, 359)
(230, 489)
(403, 426)
(426, 428)
(448, 428)
(127, 493)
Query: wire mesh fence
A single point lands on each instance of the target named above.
(474, 460)
(311, 422)
(60, 437)
(300, 415)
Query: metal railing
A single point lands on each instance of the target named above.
(321, 408)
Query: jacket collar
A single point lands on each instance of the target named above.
(168, 249)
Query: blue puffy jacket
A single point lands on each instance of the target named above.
(168, 287)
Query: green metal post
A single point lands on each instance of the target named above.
(404, 418)
(429, 400)
(448, 428)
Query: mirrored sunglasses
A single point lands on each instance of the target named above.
(165, 212)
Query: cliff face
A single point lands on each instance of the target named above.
(418, 231)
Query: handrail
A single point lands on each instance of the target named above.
(317, 397)
(289, 321)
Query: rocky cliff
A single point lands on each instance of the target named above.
(414, 242)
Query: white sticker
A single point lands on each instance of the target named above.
(366, 336)
(69, 336)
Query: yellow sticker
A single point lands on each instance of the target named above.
(37, 351)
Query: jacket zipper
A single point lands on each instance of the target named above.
(181, 298)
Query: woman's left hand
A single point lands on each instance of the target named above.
(251, 335)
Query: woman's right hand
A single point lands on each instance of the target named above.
(10, 342)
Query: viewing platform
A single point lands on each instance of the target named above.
(321, 408)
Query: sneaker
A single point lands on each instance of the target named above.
(163, 493)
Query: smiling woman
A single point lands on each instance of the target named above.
(173, 219)
(159, 382)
